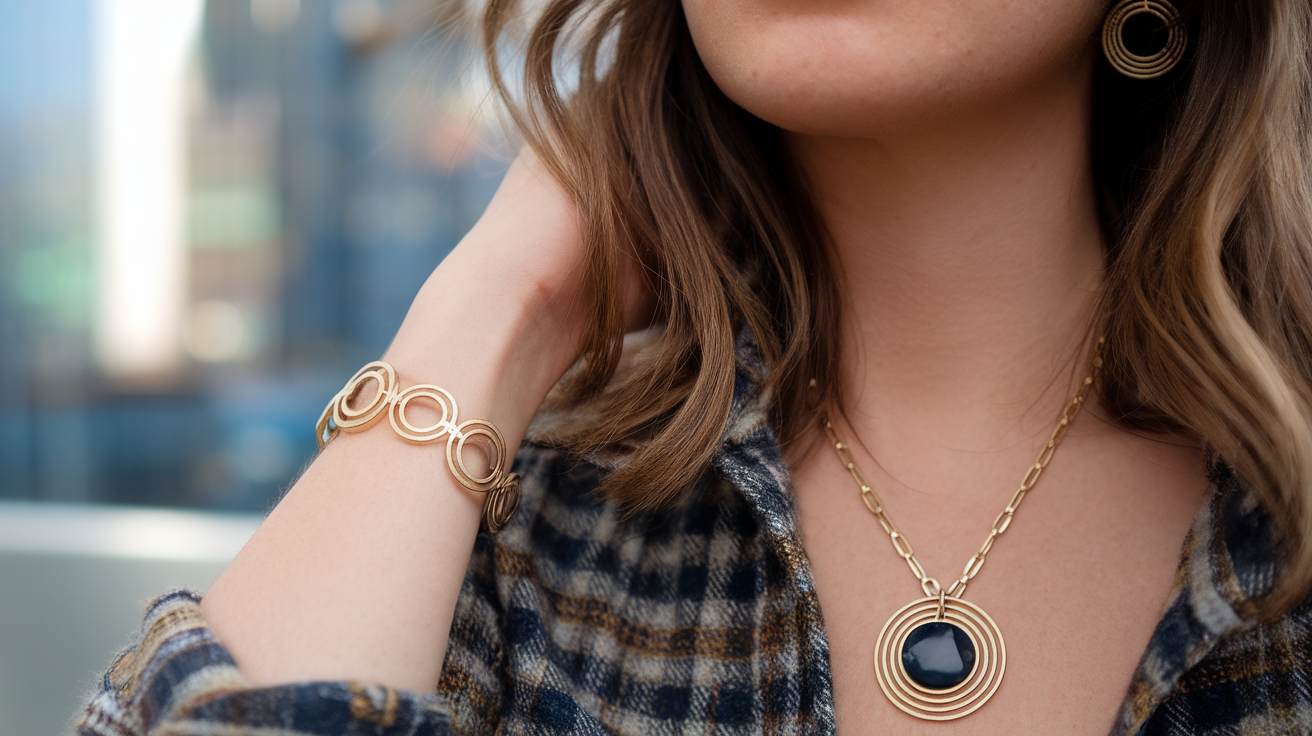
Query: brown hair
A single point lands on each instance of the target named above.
(1206, 182)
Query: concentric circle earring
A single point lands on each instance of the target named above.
(1131, 64)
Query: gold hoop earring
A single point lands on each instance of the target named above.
(1131, 64)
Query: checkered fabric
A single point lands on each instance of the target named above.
(703, 620)
(1212, 668)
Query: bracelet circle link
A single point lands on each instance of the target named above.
(455, 446)
(501, 503)
(359, 418)
(440, 396)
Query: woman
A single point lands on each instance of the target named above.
(900, 244)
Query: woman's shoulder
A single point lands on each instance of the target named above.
(566, 524)
(696, 614)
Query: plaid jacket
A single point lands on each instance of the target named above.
(703, 620)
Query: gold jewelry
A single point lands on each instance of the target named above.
(1131, 64)
(501, 488)
(939, 657)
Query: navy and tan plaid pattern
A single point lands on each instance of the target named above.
(576, 619)
(1212, 668)
(178, 680)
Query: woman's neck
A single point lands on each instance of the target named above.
(971, 257)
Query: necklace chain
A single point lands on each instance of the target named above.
(902, 545)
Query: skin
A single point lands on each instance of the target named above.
(946, 144)
(368, 549)
(945, 141)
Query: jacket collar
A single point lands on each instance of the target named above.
(749, 458)
(1229, 561)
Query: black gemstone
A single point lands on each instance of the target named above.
(938, 655)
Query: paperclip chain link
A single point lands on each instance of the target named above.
(902, 545)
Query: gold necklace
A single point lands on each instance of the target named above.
(940, 657)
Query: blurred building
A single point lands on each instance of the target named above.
(327, 155)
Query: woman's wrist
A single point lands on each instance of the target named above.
(496, 337)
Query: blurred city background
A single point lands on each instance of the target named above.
(211, 213)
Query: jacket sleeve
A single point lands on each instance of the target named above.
(177, 679)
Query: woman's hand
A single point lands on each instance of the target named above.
(356, 573)
(520, 268)
(512, 291)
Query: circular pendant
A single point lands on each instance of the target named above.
(940, 669)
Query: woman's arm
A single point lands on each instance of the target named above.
(355, 574)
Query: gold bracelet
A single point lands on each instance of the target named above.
(501, 487)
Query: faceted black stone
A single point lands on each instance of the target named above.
(938, 655)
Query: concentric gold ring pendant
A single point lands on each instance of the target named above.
(959, 643)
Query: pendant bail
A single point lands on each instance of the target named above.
(942, 601)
